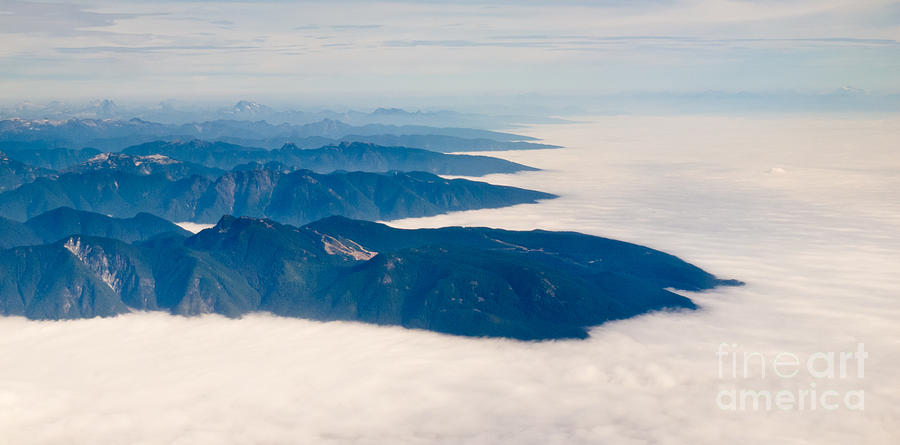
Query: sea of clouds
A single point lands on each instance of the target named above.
(805, 210)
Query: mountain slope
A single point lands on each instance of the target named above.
(71, 279)
(64, 221)
(53, 158)
(14, 233)
(14, 173)
(599, 254)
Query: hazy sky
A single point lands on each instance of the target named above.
(281, 49)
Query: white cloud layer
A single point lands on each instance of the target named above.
(192, 226)
(817, 246)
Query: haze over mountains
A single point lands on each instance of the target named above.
(114, 135)
(248, 110)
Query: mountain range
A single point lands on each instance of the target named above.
(353, 156)
(295, 197)
(204, 158)
(464, 281)
(85, 233)
(49, 158)
(114, 135)
(65, 221)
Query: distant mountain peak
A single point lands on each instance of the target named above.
(329, 124)
(849, 90)
(248, 108)
(105, 107)
(230, 223)
(359, 144)
(143, 165)
(117, 159)
(392, 112)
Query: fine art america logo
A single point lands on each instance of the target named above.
(804, 382)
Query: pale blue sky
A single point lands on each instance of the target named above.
(272, 50)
